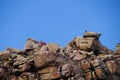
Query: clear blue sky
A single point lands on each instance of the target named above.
(58, 21)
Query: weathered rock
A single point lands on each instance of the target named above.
(66, 70)
(92, 34)
(118, 48)
(4, 55)
(50, 76)
(29, 44)
(44, 59)
(84, 58)
(52, 47)
(76, 55)
(49, 73)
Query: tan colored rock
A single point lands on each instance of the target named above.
(4, 55)
(20, 78)
(77, 56)
(52, 47)
(43, 59)
(66, 70)
(14, 51)
(50, 76)
(84, 58)
(85, 64)
(31, 77)
(86, 44)
(88, 76)
(111, 66)
(118, 48)
(99, 72)
(49, 73)
(47, 70)
(23, 67)
(29, 44)
(92, 34)
(4, 63)
(95, 62)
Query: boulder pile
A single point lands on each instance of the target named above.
(84, 58)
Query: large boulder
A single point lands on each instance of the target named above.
(49, 73)
(92, 34)
(44, 59)
(4, 55)
(85, 44)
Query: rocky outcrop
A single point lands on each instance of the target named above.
(84, 58)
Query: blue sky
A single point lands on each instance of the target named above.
(58, 21)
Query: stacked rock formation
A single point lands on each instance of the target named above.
(84, 58)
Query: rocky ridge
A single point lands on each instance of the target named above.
(83, 58)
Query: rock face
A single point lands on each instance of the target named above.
(84, 58)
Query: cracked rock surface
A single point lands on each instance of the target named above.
(83, 58)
